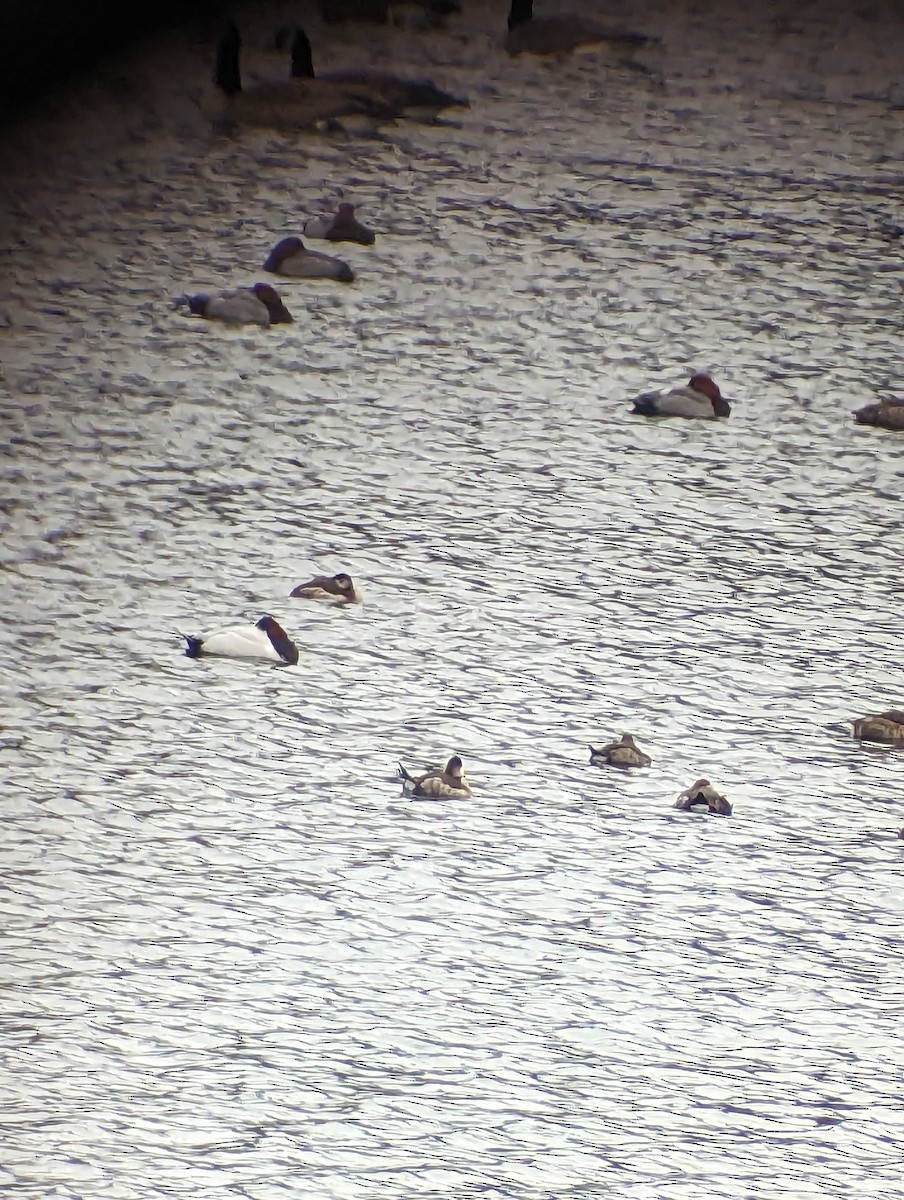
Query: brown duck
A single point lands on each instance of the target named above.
(447, 784)
(885, 727)
(701, 796)
(623, 753)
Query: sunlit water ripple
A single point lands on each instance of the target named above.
(237, 961)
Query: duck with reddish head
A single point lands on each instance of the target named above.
(700, 398)
(258, 305)
(266, 639)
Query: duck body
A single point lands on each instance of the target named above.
(623, 753)
(292, 258)
(295, 104)
(446, 784)
(341, 226)
(887, 413)
(266, 639)
(699, 399)
(562, 34)
(258, 305)
(701, 796)
(887, 727)
(392, 91)
(335, 589)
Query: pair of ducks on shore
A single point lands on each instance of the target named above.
(309, 101)
(261, 304)
(267, 639)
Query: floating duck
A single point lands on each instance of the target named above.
(291, 104)
(887, 412)
(292, 258)
(623, 753)
(340, 226)
(449, 783)
(700, 398)
(258, 305)
(267, 639)
(337, 589)
(703, 797)
(881, 727)
(391, 90)
(563, 33)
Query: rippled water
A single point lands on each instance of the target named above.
(237, 962)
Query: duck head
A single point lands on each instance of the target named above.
(287, 248)
(707, 386)
(454, 767)
(269, 296)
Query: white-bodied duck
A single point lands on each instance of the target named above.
(335, 589)
(266, 639)
(340, 226)
(701, 796)
(700, 398)
(623, 753)
(258, 305)
(448, 783)
(292, 258)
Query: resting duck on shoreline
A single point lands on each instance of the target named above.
(267, 639)
(258, 305)
(699, 398)
(623, 753)
(337, 589)
(703, 797)
(290, 104)
(449, 783)
(391, 90)
(562, 33)
(340, 226)
(887, 727)
(292, 258)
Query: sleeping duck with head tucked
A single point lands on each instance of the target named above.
(623, 753)
(700, 398)
(887, 413)
(701, 796)
(886, 727)
(335, 589)
(446, 784)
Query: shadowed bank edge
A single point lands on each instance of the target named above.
(45, 42)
